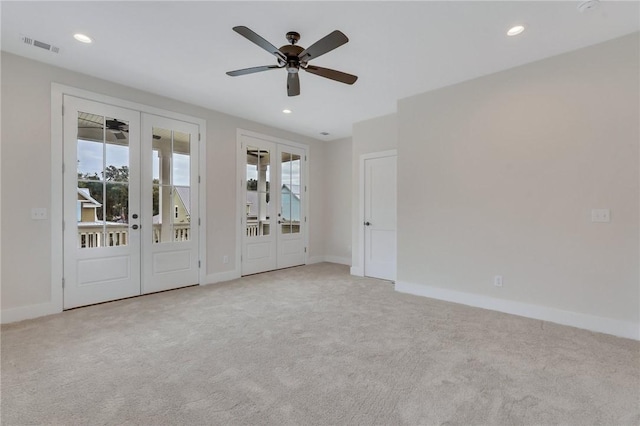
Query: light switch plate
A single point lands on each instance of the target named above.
(601, 215)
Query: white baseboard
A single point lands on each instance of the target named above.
(618, 328)
(330, 259)
(29, 312)
(357, 271)
(220, 277)
(315, 259)
(338, 260)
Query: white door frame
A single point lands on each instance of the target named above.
(57, 142)
(241, 203)
(361, 195)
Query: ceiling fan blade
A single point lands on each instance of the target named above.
(324, 45)
(293, 84)
(340, 76)
(252, 70)
(255, 38)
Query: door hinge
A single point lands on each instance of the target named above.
(198, 137)
(305, 188)
(63, 110)
(199, 222)
(62, 282)
(199, 263)
(198, 179)
(305, 158)
(305, 249)
(305, 219)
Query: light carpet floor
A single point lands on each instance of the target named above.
(310, 346)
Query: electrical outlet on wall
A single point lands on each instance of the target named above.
(601, 215)
(497, 281)
(39, 213)
(225, 259)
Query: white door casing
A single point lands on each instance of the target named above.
(102, 256)
(380, 223)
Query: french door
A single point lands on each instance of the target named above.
(128, 209)
(273, 216)
(170, 204)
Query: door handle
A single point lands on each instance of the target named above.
(135, 226)
(367, 224)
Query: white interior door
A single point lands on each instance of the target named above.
(273, 209)
(101, 202)
(380, 217)
(170, 235)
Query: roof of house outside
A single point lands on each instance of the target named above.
(293, 189)
(84, 192)
(184, 192)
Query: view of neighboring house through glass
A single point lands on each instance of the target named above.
(103, 181)
(171, 195)
(290, 193)
(258, 197)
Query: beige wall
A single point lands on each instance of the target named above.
(498, 176)
(337, 179)
(375, 135)
(26, 174)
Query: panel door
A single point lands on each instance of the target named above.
(380, 218)
(101, 202)
(259, 214)
(170, 235)
(291, 215)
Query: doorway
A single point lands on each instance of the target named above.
(273, 211)
(130, 222)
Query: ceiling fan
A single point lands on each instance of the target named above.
(294, 58)
(116, 127)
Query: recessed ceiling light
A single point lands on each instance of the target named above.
(515, 30)
(82, 38)
(324, 133)
(286, 111)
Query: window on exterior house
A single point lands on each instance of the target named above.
(176, 212)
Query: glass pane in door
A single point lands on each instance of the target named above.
(290, 193)
(171, 186)
(295, 193)
(102, 181)
(181, 179)
(258, 176)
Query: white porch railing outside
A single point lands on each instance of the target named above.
(117, 234)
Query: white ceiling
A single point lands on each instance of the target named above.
(183, 49)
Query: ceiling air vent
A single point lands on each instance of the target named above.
(40, 44)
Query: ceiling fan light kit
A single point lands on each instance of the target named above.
(294, 58)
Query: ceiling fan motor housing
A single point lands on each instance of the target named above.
(291, 52)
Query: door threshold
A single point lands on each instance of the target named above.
(130, 297)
